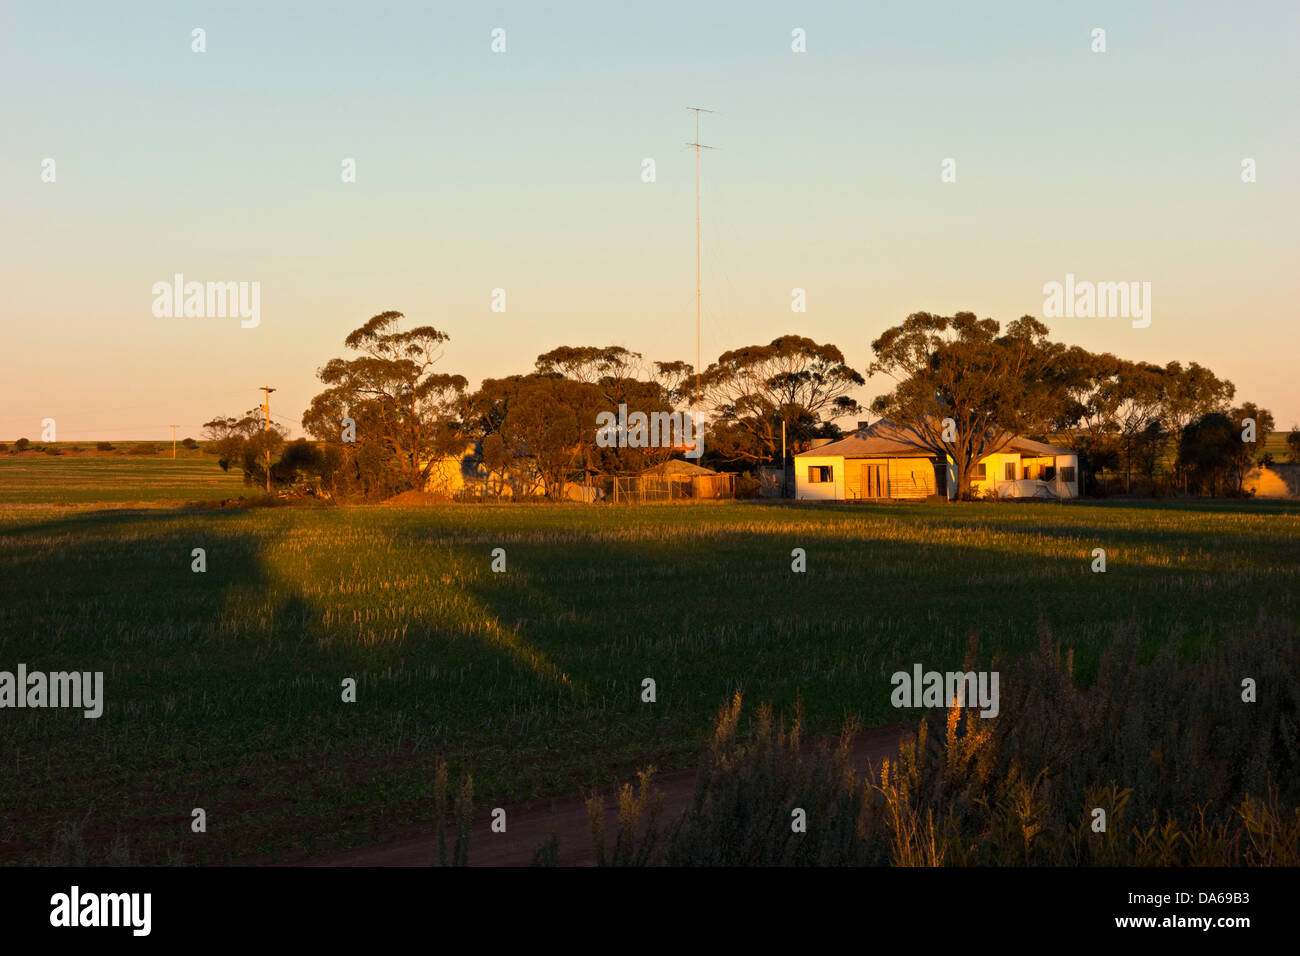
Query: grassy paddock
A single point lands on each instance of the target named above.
(223, 688)
(115, 478)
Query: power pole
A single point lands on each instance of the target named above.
(698, 146)
(783, 484)
(267, 405)
(174, 427)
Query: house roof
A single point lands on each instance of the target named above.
(883, 438)
(1027, 446)
(886, 439)
(675, 466)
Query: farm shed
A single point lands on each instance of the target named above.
(451, 472)
(1273, 481)
(673, 480)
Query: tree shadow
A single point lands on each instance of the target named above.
(224, 690)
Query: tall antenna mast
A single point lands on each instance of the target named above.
(698, 146)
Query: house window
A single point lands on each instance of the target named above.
(820, 474)
(1049, 472)
(1009, 471)
(980, 472)
(1067, 474)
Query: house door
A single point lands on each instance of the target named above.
(875, 481)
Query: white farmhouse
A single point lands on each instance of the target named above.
(884, 461)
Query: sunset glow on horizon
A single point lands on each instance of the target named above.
(522, 170)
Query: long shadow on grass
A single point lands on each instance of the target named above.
(1276, 539)
(706, 615)
(224, 689)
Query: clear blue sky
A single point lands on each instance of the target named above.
(522, 171)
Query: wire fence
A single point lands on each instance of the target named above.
(640, 489)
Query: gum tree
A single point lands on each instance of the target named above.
(792, 379)
(620, 377)
(994, 385)
(545, 423)
(405, 412)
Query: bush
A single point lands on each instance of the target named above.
(104, 446)
(145, 448)
(1187, 774)
(462, 812)
(747, 485)
(22, 444)
(51, 450)
(189, 444)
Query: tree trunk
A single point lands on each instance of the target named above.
(963, 482)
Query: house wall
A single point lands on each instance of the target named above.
(445, 477)
(1276, 481)
(907, 477)
(1070, 489)
(846, 482)
(995, 472)
(819, 491)
(911, 477)
(904, 477)
(1034, 469)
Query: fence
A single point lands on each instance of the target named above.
(775, 481)
(639, 489)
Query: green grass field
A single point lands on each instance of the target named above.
(71, 479)
(223, 688)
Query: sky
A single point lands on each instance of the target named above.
(522, 170)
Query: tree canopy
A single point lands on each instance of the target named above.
(405, 414)
(751, 391)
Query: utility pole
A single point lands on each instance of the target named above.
(698, 146)
(783, 486)
(173, 441)
(268, 390)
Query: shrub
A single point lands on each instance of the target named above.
(747, 485)
(634, 844)
(462, 813)
(51, 450)
(190, 444)
(104, 446)
(1187, 774)
(22, 444)
(145, 448)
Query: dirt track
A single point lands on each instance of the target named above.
(530, 824)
